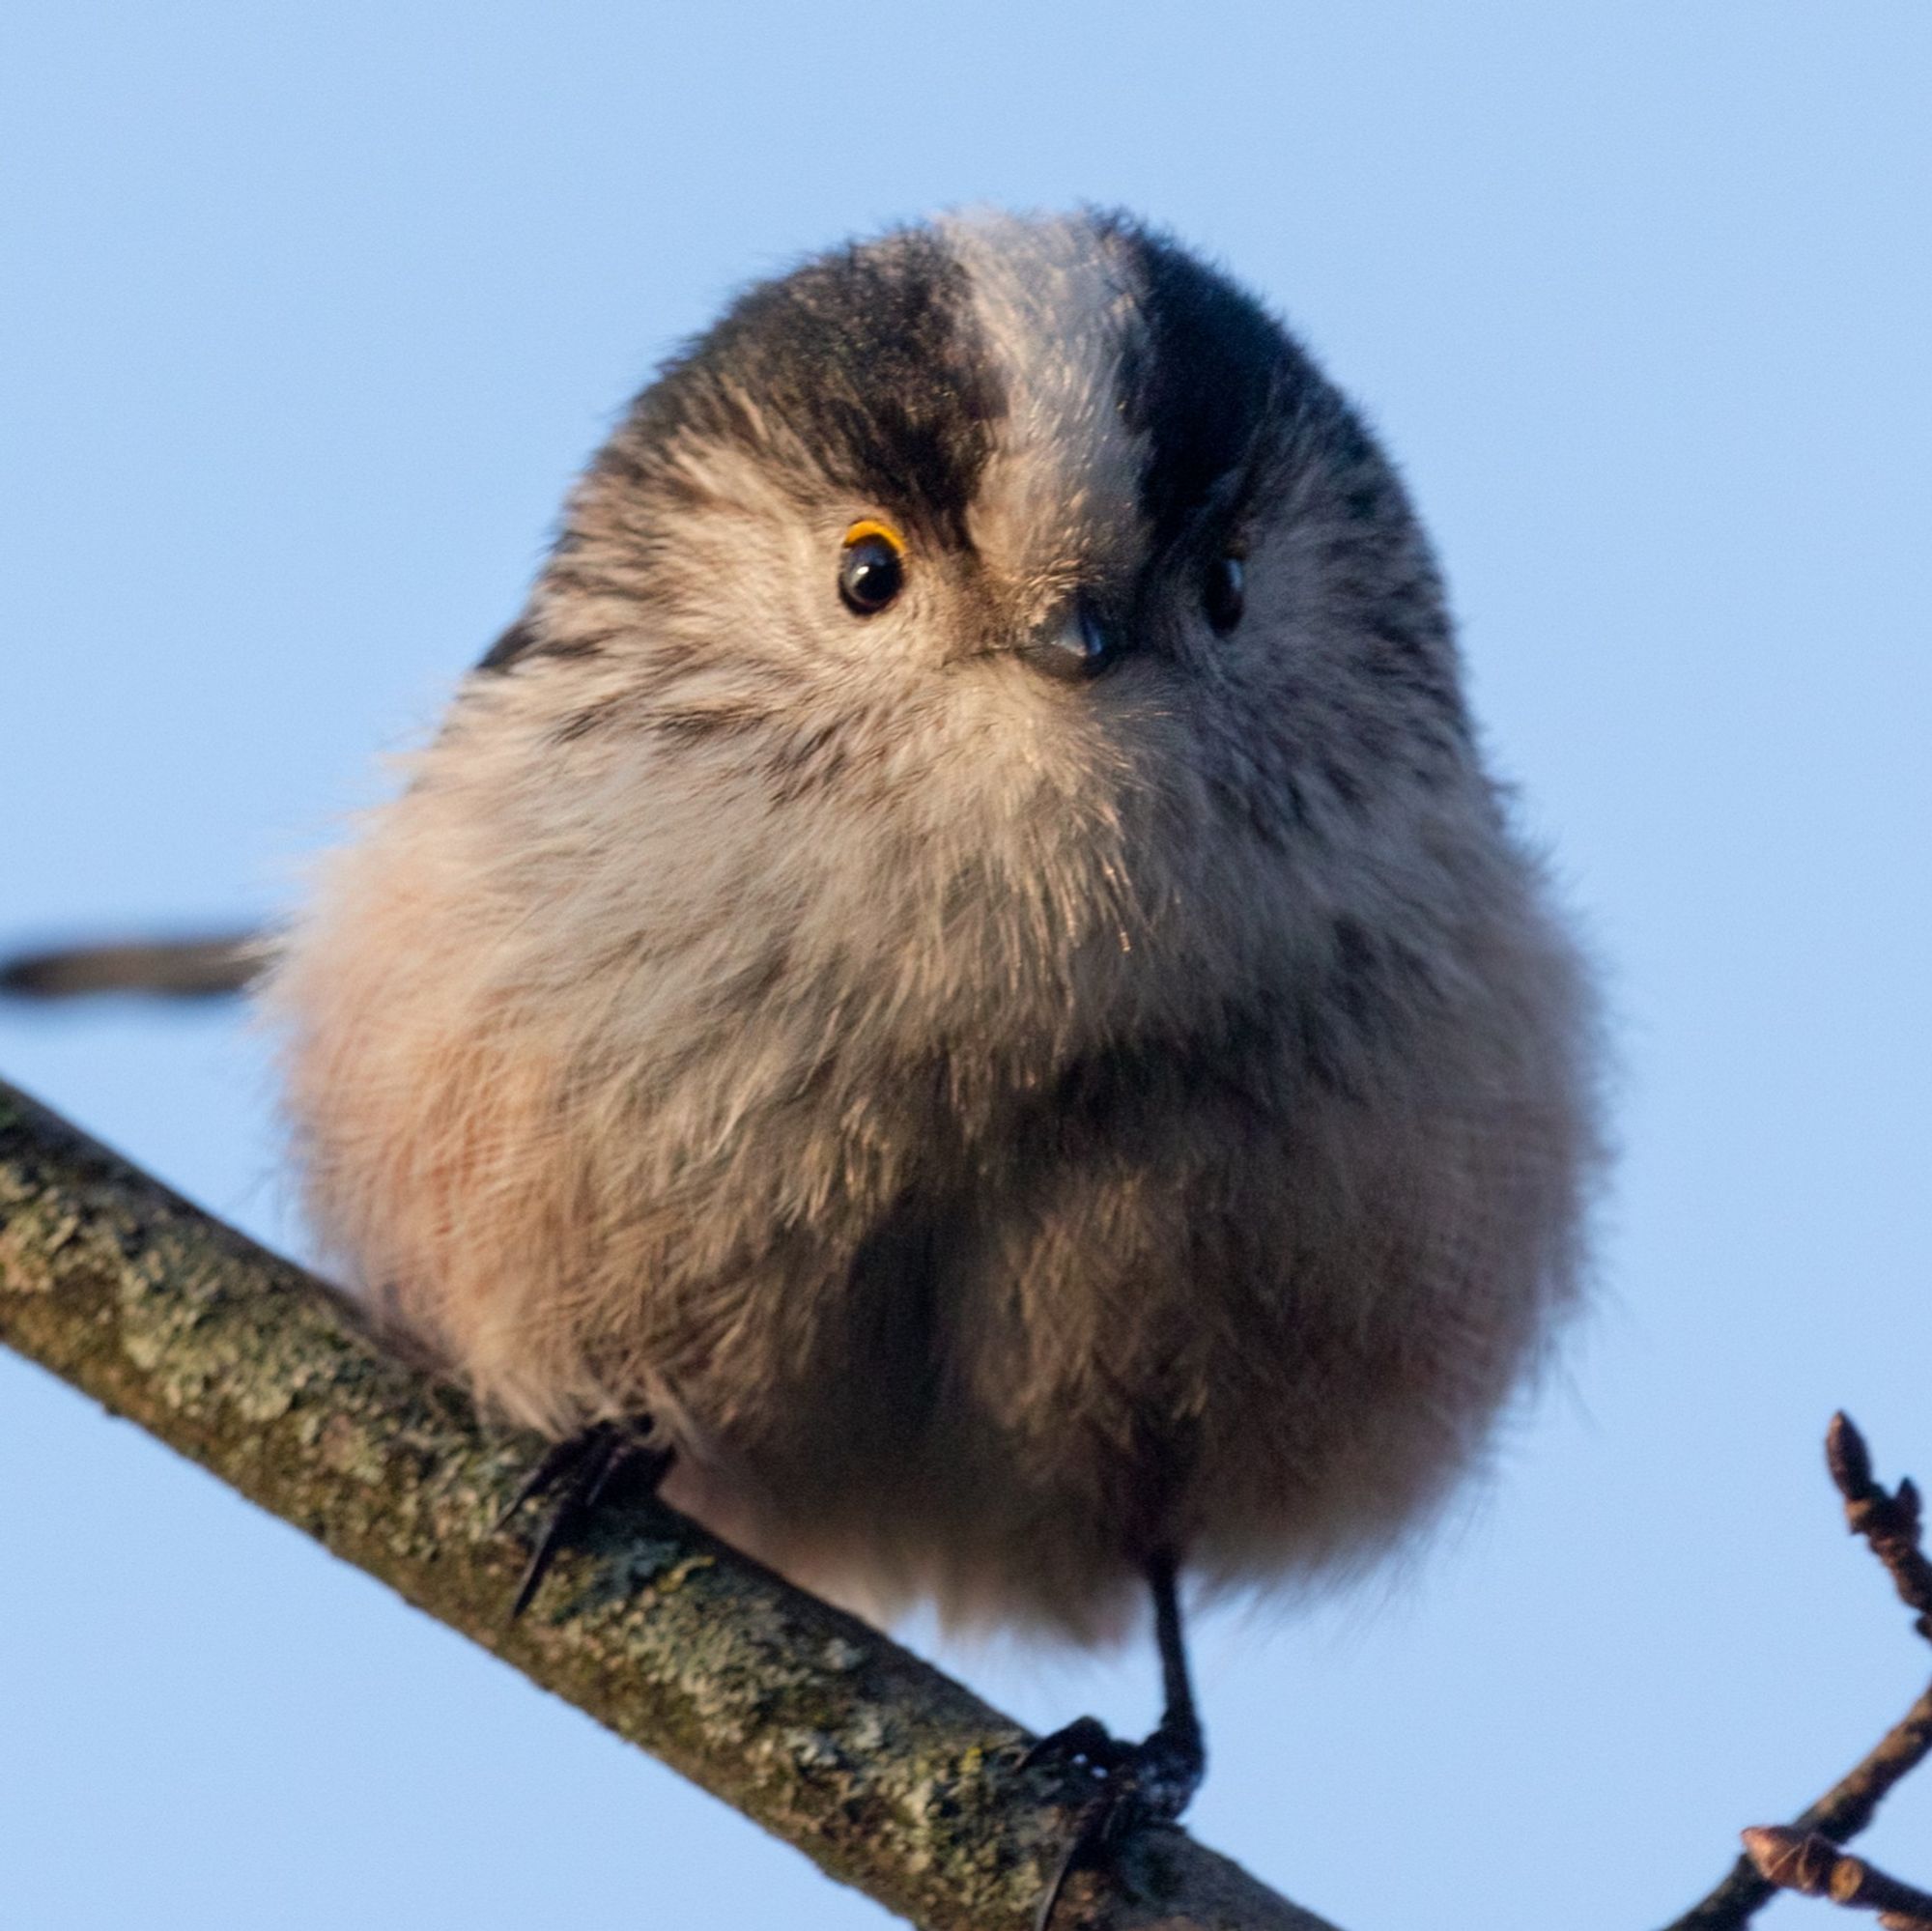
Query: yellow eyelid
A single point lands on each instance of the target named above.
(869, 526)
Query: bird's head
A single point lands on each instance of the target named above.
(1021, 591)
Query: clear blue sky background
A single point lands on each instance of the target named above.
(312, 312)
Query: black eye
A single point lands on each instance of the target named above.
(1224, 592)
(872, 571)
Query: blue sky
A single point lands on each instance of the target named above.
(312, 313)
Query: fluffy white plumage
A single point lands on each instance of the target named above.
(1002, 1128)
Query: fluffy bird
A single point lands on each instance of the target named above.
(959, 975)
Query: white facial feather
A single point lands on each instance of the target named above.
(1062, 487)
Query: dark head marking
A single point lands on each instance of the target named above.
(866, 361)
(1206, 370)
(868, 374)
(862, 372)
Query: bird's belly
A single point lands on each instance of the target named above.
(1208, 1306)
(1014, 1398)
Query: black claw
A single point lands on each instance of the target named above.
(582, 1469)
(551, 1466)
(1086, 1740)
(579, 1473)
(1146, 1783)
(1077, 1852)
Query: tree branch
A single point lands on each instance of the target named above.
(1889, 1522)
(1816, 1867)
(888, 1775)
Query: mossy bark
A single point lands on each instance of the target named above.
(888, 1775)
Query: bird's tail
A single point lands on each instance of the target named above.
(199, 968)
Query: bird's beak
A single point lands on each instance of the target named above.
(1079, 646)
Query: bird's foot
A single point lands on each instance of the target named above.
(1084, 1744)
(1149, 1783)
(595, 1465)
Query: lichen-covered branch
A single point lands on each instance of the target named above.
(888, 1775)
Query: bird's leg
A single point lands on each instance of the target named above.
(1174, 1758)
(1149, 1783)
(581, 1472)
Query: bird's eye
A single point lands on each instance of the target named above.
(1224, 591)
(871, 568)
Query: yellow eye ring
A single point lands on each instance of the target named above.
(871, 567)
(869, 527)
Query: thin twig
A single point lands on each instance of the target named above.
(1889, 1523)
(1811, 1864)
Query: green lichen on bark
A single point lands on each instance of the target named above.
(888, 1775)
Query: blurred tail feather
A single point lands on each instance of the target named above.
(201, 968)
